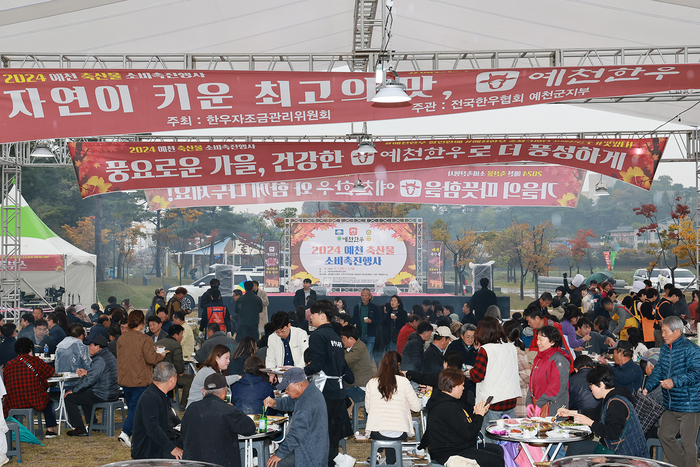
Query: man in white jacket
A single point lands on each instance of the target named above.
(286, 346)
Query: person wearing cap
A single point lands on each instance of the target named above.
(153, 417)
(72, 315)
(678, 374)
(307, 441)
(210, 426)
(433, 357)
(327, 363)
(97, 384)
(627, 373)
(575, 297)
(495, 371)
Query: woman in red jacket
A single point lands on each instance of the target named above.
(549, 379)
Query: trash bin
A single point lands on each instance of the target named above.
(146, 280)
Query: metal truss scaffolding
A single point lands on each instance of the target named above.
(10, 245)
(286, 263)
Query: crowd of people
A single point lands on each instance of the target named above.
(473, 368)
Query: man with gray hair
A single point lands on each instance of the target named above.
(678, 374)
(150, 435)
(213, 422)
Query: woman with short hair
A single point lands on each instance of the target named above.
(251, 390)
(548, 390)
(452, 430)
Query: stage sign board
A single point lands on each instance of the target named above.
(353, 253)
(436, 265)
(272, 264)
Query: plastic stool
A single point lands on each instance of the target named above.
(28, 416)
(109, 411)
(343, 445)
(356, 423)
(651, 442)
(262, 446)
(417, 429)
(13, 449)
(378, 444)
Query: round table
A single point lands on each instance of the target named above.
(160, 463)
(604, 460)
(548, 442)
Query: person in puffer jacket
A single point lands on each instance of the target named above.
(678, 374)
(412, 354)
(252, 389)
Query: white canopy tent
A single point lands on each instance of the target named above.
(50, 261)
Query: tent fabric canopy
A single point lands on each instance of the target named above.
(37, 239)
(219, 248)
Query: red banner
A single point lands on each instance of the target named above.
(512, 185)
(103, 167)
(37, 263)
(52, 103)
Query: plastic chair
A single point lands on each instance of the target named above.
(28, 416)
(343, 445)
(14, 448)
(417, 429)
(356, 423)
(109, 411)
(651, 442)
(379, 444)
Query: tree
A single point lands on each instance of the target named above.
(577, 248)
(687, 240)
(668, 237)
(463, 248)
(177, 229)
(539, 253)
(83, 234)
(510, 246)
(126, 240)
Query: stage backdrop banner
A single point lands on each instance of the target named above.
(37, 263)
(52, 103)
(478, 185)
(354, 253)
(436, 265)
(272, 264)
(104, 167)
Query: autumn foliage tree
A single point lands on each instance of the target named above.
(82, 234)
(463, 247)
(669, 239)
(578, 247)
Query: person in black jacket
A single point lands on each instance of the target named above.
(452, 431)
(366, 316)
(210, 427)
(327, 361)
(7, 346)
(575, 297)
(150, 435)
(305, 297)
(434, 354)
(397, 318)
(580, 395)
(206, 297)
(482, 299)
(412, 354)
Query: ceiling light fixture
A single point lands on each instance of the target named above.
(366, 146)
(601, 188)
(42, 150)
(389, 89)
(358, 187)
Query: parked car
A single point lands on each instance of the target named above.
(683, 277)
(197, 288)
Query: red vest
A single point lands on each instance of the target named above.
(215, 314)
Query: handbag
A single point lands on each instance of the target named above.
(648, 410)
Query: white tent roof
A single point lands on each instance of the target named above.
(317, 26)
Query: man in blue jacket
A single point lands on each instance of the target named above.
(678, 373)
(306, 443)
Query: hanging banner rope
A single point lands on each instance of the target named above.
(102, 167)
(55, 103)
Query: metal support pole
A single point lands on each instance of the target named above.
(11, 178)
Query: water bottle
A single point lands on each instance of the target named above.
(46, 350)
(262, 427)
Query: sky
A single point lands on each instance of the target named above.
(549, 118)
